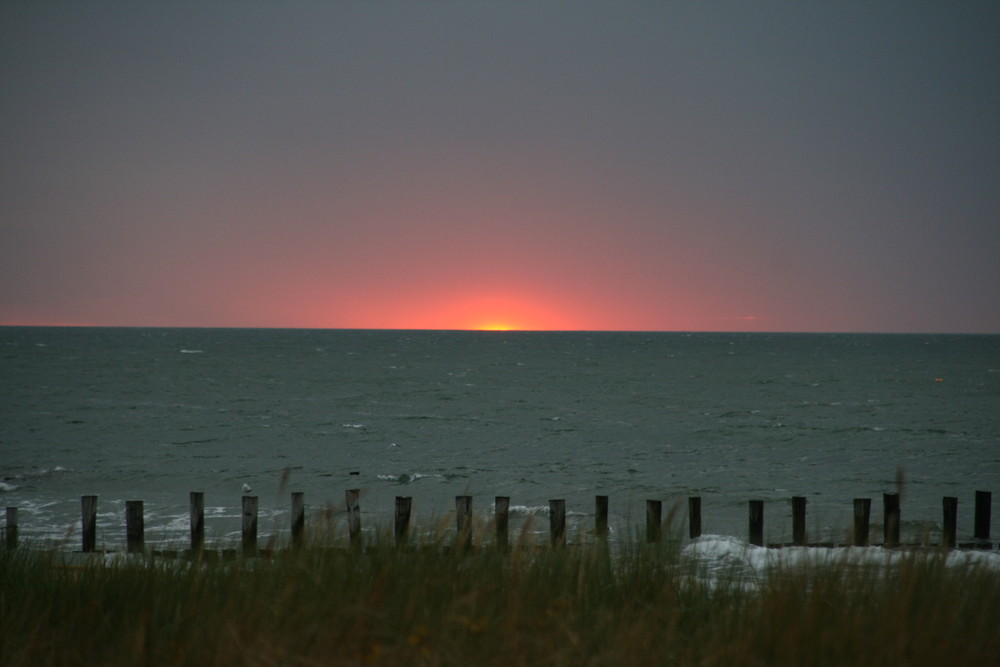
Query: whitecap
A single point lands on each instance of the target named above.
(526, 510)
(406, 478)
(730, 558)
(47, 471)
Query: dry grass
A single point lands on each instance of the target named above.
(430, 605)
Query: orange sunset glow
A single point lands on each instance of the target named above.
(509, 315)
(488, 313)
(501, 166)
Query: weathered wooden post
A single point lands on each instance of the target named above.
(10, 528)
(298, 518)
(401, 524)
(501, 518)
(949, 529)
(862, 519)
(890, 529)
(984, 500)
(249, 525)
(694, 517)
(757, 522)
(135, 525)
(557, 522)
(463, 521)
(501, 511)
(654, 519)
(601, 516)
(353, 516)
(88, 523)
(799, 521)
(197, 522)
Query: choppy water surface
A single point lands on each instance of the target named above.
(153, 414)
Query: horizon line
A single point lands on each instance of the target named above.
(498, 331)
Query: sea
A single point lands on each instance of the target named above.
(153, 414)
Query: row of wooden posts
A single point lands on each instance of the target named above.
(135, 521)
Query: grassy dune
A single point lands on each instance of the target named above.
(429, 605)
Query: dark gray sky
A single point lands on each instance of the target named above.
(666, 166)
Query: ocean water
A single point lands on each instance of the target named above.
(152, 414)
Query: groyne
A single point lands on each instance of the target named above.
(497, 526)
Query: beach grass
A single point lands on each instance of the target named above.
(435, 604)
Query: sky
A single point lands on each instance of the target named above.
(655, 166)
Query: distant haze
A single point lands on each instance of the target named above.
(589, 165)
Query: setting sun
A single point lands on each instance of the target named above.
(493, 310)
(509, 312)
(495, 326)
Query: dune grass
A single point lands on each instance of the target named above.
(433, 605)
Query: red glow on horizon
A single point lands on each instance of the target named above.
(510, 310)
(505, 312)
(41, 322)
(496, 326)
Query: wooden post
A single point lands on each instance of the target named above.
(654, 518)
(557, 522)
(463, 521)
(401, 525)
(984, 501)
(10, 529)
(501, 510)
(601, 516)
(249, 525)
(694, 517)
(950, 524)
(353, 516)
(799, 521)
(197, 522)
(135, 526)
(757, 522)
(298, 518)
(862, 517)
(88, 521)
(890, 529)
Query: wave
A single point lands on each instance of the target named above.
(406, 478)
(526, 510)
(535, 510)
(41, 472)
(725, 558)
(454, 418)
